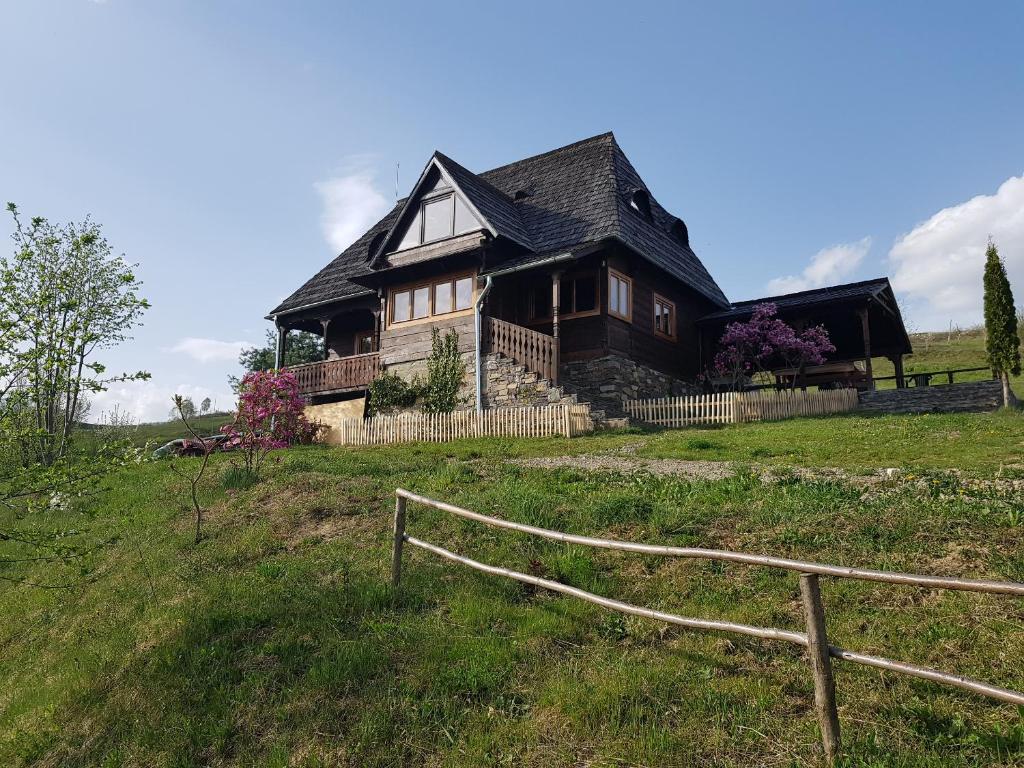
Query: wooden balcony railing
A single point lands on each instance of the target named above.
(344, 373)
(537, 351)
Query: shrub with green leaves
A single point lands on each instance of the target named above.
(446, 371)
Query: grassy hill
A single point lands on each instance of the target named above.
(277, 642)
(945, 351)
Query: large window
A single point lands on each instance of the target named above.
(437, 217)
(620, 298)
(577, 295)
(664, 317)
(440, 297)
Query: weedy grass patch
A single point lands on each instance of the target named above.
(278, 641)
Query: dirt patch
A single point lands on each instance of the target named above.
(703, 470)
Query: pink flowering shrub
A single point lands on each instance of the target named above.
(754, 347)
(271, 414)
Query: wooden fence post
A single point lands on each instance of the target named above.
(821, 665)
(396, 552)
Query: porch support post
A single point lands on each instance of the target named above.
(866, 331)
(556, 284)
(324, 322)
(282, 341)
(897, 365)
(377, 314)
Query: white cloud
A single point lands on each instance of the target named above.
(210, 350)
(148, 401)
(938, 265)
(828, 266)
(351, 203)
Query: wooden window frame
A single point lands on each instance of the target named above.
(595, 273)
(432, 315)
(671, 305)
(359, 336)
(615, 274)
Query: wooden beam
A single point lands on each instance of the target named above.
(865, 326)
(324, 322)
(282, 341)
(821, 666)
(556, 285)
(897, 364)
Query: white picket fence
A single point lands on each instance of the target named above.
(736, 407)
(540, 421)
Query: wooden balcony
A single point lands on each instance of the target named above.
(345, 374)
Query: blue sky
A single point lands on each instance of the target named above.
(231, 148)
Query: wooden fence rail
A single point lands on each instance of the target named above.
(539, 421)
(537, 351)
(737, 407)
(820, 651)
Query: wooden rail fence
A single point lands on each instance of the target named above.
(538, 421)
(820, 652)
(737, 407)
(537, 351)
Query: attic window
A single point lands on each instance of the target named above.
(522, 194)
(438, 217)
(641, 203)
(680, 232)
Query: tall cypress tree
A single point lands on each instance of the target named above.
(1002, 344)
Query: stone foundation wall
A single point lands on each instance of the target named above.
(945, 398)
(614, 378)
(507, 385)
(331, 414)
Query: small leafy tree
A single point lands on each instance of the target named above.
(271, 414)
(194, 477)
(749, 349)
(302, 347)
(446, 370)
(1002, 342)
(204, 407)
(184, 408)
(63, 297)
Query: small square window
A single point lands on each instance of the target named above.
(364, 344)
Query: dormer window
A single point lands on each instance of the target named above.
(641, 203)
(680, 232)
(441, 214)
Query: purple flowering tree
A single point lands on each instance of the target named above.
(751, 349)
(271, 414)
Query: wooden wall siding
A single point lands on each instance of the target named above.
(637, 339)
(436, 250)
(409, 343)
(538, 421)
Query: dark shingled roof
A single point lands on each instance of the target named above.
(833, 293)
(577, 195)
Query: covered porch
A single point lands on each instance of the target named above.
(863, 321)
(350, 353)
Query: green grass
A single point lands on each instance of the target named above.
(277, 641)
(942, 352)
(160, 432)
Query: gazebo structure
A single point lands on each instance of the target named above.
(862, 319)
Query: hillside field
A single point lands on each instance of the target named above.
(276, 641)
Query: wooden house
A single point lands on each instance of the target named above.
(561, 273)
